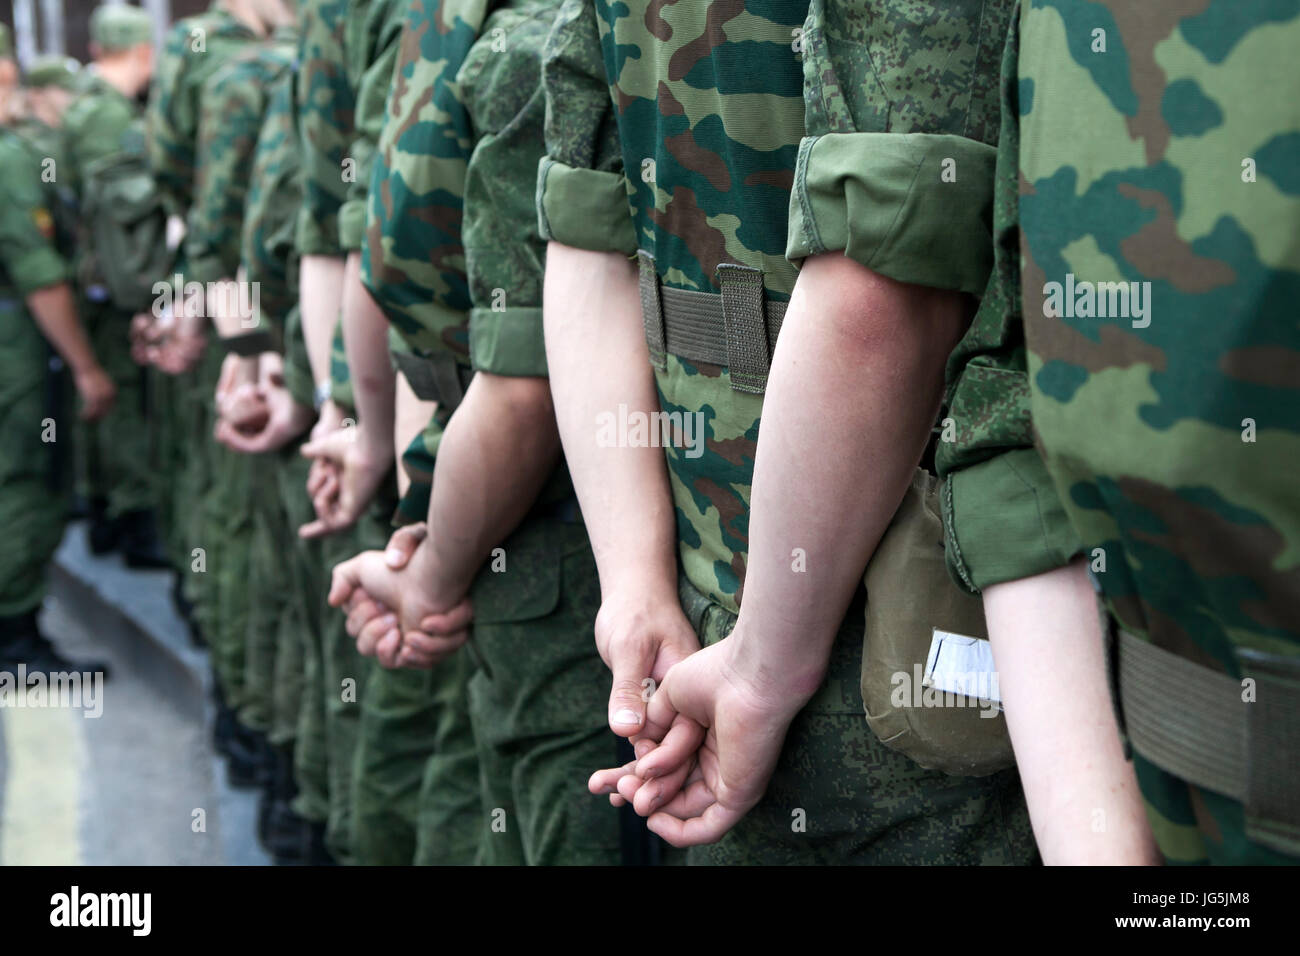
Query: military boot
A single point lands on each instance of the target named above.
(21, 642)
(104, 532)
(138, 539)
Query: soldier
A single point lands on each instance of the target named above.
(36, 307)
(195, 48)
(284, 573)
(413, 734)
(232, 107)
(122, 252)
(1139, 329)
(503, 526)
(48, 88)
(815, 134)
(353, 503)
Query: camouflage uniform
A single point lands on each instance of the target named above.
(537, 697)
(224, 484)
(413, 264)
(30, 259)
(732, 153)
(1137, 148)
(341, 43)
(196, 47)
(99, 127)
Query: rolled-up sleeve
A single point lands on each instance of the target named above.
(896, 167)
(582, 197)
(1003, 518)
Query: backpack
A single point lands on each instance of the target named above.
(123, 232)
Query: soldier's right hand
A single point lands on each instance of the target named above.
(97, 393)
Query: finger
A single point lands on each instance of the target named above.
(438, 646)
(691, 801)
(659, 790)
(372, 634)
(403, 544)
(606, 781)
(363, 614)
(708, 827)
(343, 582)
(314, 529)
(388, 647)
(448, 622)
(630, 662)
(679, 745)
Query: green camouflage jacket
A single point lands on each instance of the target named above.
(195, 48)
(268, 255)
(231, 111)
(413, 261)
(100, 123)
(1140, 328)
(30, 259)
(754, 135)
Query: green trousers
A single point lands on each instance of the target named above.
(272, 644)
(309, 582)
(411, 719)
(839, 796)
(538, 700)
(31, 514)
(345, 676)
(116, 453)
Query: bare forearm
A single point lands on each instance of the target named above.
(365, 339)
(598, 360)
(1083, 797)
(410, 418)
(320, 287)
(55, 312)
(496, 454)
(855, 384)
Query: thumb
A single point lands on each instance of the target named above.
(326, 446)
(630, 662)
(403, 543)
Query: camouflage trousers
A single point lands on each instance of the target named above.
(839, 796)
(412, 720)
(273, 651)
(537, 702)
(116, 453)
(308, 581)
(31, 513)
(1195, 826)
(345, 676)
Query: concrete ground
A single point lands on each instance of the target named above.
(140, 784)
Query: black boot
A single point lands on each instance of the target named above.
(139, 540)
(104, 532)
(238, 745)
(21, 642)
(317, 854)
(284, 834)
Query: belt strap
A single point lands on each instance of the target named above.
(1207, 734)
(736, 328)
(437, 378)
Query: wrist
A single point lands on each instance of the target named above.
(431, 575)
(784, 681)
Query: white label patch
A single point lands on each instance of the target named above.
(963, 665)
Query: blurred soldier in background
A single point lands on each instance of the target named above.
(37, 312)
(121, 252)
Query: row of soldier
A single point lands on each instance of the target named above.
(414, 309)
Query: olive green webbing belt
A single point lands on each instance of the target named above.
(1192, 722)
(436, 378)
(736, 328)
